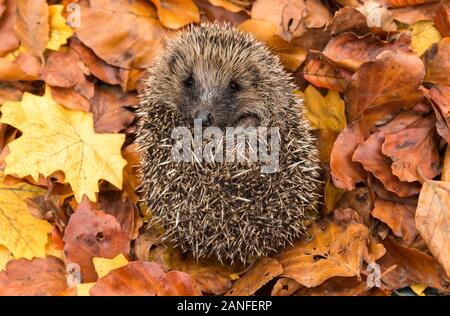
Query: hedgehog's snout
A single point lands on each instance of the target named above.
(205, 116)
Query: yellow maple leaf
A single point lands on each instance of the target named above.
(21, 233)
(103, 265)
(423, 35)
(56, 138)
(59, 30)
(325, 112)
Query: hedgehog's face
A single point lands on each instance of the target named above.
(216, 85)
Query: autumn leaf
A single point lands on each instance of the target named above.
(23, 67)
(59, 31)
(23, 235)
(37, 277)
(423, 35)
(442, 20)
(118, 48)
(144, 279)
(323, 75)
(335, 251)
(63, 70)
(285, 287)
(404, 3)
(104, 265)
(5, 257)
(8, 39)
(348, 19)
(175, 14)
(438, 63)
(264, 270)
(433, 220)
(32, 25)
(54, 138)
(227, 4)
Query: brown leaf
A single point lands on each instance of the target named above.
(399, 217)
(405, 3)
(414, 151)
(411, 266)
(24, 67)
(63, 70)
(131, 181)
(32, 25)
(438, 63)
(440, 97)
(144, 279)
(336, 251)
(175, 14)
(210, 275)
(433, 220)
(381, 86)
(344, 171)
(285, 287)
(220, 14)
(372, 159)
(264, 270)
(351, 51)
(108, 106)
(70, 98)
(118, 48)
(414, 14)
(92, 233)
(37, 277)
(348, 19)
(338, 286)
(97, 66)
(442, 20)
(8, 40)
(323, 75)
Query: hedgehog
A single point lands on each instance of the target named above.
(223, 77)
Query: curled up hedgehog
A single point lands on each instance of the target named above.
(219, 78)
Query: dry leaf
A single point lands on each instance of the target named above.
(440, 96)
(285, 287)
(38, 277)
(8, 40)
(348, 19)
(336, 251)
(59, 30)
(263, 270)
(24, 67)
(54, 138)
(423, 35)
(433, 220)
(175, 14)
(438, 63)
(104, 265)
(404, 3)
(323, 75)
(442, 20)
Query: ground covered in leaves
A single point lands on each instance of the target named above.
(375, 79)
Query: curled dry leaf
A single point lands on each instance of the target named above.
(144, 279)
(438, 63)
(378, 16)
(442, 20)
(336, 251)
(433, 220)
(36, 277)
(32, 25)
(93, 233)
(372, 159)
(381, 86)
(263, 270)
(399, 217)
(344, 171)
(175, 14)
(440, 96)
(351, 51)
(348, 19)
(118, 48)
(323, 75)
(414, 151)
(8, 39)
(55, 138)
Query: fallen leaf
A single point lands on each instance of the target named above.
(67, 142)
(378, 16)
(5, 257)
(446, 168)
(8, 39)
(323, 75)
(285, 287)
(418, 289)
(175, 14)
(423, 35)
(93, 233)
(227, 4)
(437, 63)
(24, 67)
(32, 25)
(336, 251)
(433, 220)
(405, 3)
(442, 20)
(23, 235)
(338, 286)
(344, 171)
(104, 265)
(59, 30)
(348, 19)
(399, 217)
(263, 270)
(414, 151)
(63, 70)
(37, 277)
(70, 99)
(389, 82)
(370, 156)
(118, 48)
(144, 279)
(220, 14)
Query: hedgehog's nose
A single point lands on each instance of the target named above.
(205, 116)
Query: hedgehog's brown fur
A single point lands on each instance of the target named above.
(217, 209)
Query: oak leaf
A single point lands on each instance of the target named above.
(433, 220)
(336, 251)
(55, 138)
(23, 235)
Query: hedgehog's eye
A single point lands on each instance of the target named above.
(234, 86)
(189, 82)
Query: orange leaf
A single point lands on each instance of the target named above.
(323, 75)
(405, 3)
(175, 14)
(8, 40)
(438, 63)
(442, 20)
